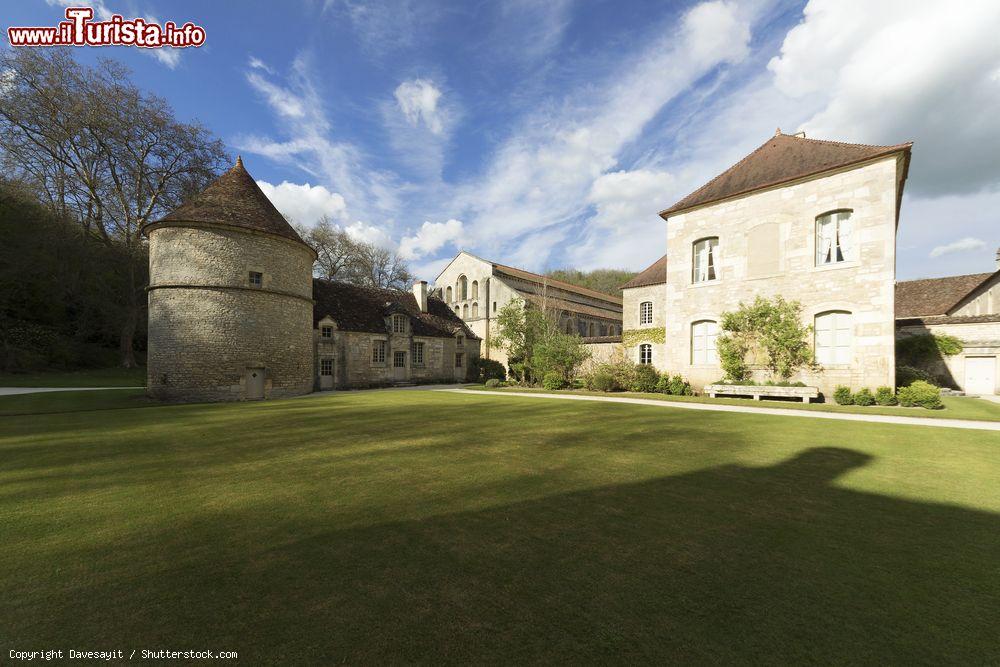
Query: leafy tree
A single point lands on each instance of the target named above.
(606, 281)
(535, 345)
(767, 332)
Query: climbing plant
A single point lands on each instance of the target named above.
(632, 337)
(767, 332)
(920, 349)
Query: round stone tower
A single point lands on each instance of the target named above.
(230, 298)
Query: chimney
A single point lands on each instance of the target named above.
(420, 292)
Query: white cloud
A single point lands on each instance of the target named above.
(431, 236)
(361, 231)
(418, 100)
(899, 70)
(961, 245)
(304, 204)
(714, 32)
(256, 63)
(283, 101)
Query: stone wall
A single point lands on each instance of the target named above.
(632, 336)
(979, 339)
(354, 368)
(208, 326)
(601, 353)
(864, 287)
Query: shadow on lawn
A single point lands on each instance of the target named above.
(728, 564)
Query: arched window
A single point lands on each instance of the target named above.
(448, 294)
(646, 312)
(475, 289)
(703, 335)
(834, 334)
(463, 288)
(475, 306)
(834, 238)
(645, 353)
(465, 312)
(704, 261)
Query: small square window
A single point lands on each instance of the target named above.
(256, 279)
(326, 366)
(326, 332)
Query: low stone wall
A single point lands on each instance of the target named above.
(601, 353)
(758, 391)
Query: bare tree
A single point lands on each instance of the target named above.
(98, 148)
(350, 260)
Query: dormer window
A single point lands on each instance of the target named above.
(834, 238)
(326, 332)
(256, 279)
(398, 324)
(705, 260)
(460, 341)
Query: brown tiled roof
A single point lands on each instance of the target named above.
(233, 200)
(550, 301)
(781, 159)
(935, 296)
(654, 274)
(551, 282)
(356, 308)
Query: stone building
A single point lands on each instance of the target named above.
(477, 289)
(966, 307)
(232, 314)
(812, 221)
(644, 315)
(230, 298)
(368, 337)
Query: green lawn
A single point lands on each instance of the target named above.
(387, 527)
(955, 407)
(99, 377)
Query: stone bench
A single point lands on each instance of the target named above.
(759, 391)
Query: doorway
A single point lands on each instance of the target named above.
(255, 383)
(399, 365)
(326, 374)
(980, 375)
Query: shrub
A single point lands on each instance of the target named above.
(907, 375)
(493, 383)
(663, 384)
(842, 395)
(644, 379)
(490, 369)
(678, 387)
(885, 396)
(864, 398)
(602, 380)
(922, 394)
(553, 380)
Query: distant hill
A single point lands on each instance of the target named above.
(607, 281)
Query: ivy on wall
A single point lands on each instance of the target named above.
(925, 348)
(632, 337)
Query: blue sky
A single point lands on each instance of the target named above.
(548, 134)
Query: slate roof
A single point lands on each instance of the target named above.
(364, 309)
(590, 340)
(935, 296)
(233, 200)
(549, 301)
(781, 159)
(654, 274)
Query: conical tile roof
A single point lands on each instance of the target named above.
(781, 159)
(233, 200)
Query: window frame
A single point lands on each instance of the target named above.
(645, 354)
(827, 355)
(325, 362)
(711, 271)
(379, 348)
(417, 354)
(846, 250)
(459, 359)
(710, 354)
(397, 323)
(255, 279)
(396, 356)
(646, 317)
(326, 331)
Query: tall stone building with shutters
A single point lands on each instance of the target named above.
(235, 314)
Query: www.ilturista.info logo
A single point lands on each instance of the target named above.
(79, 30)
